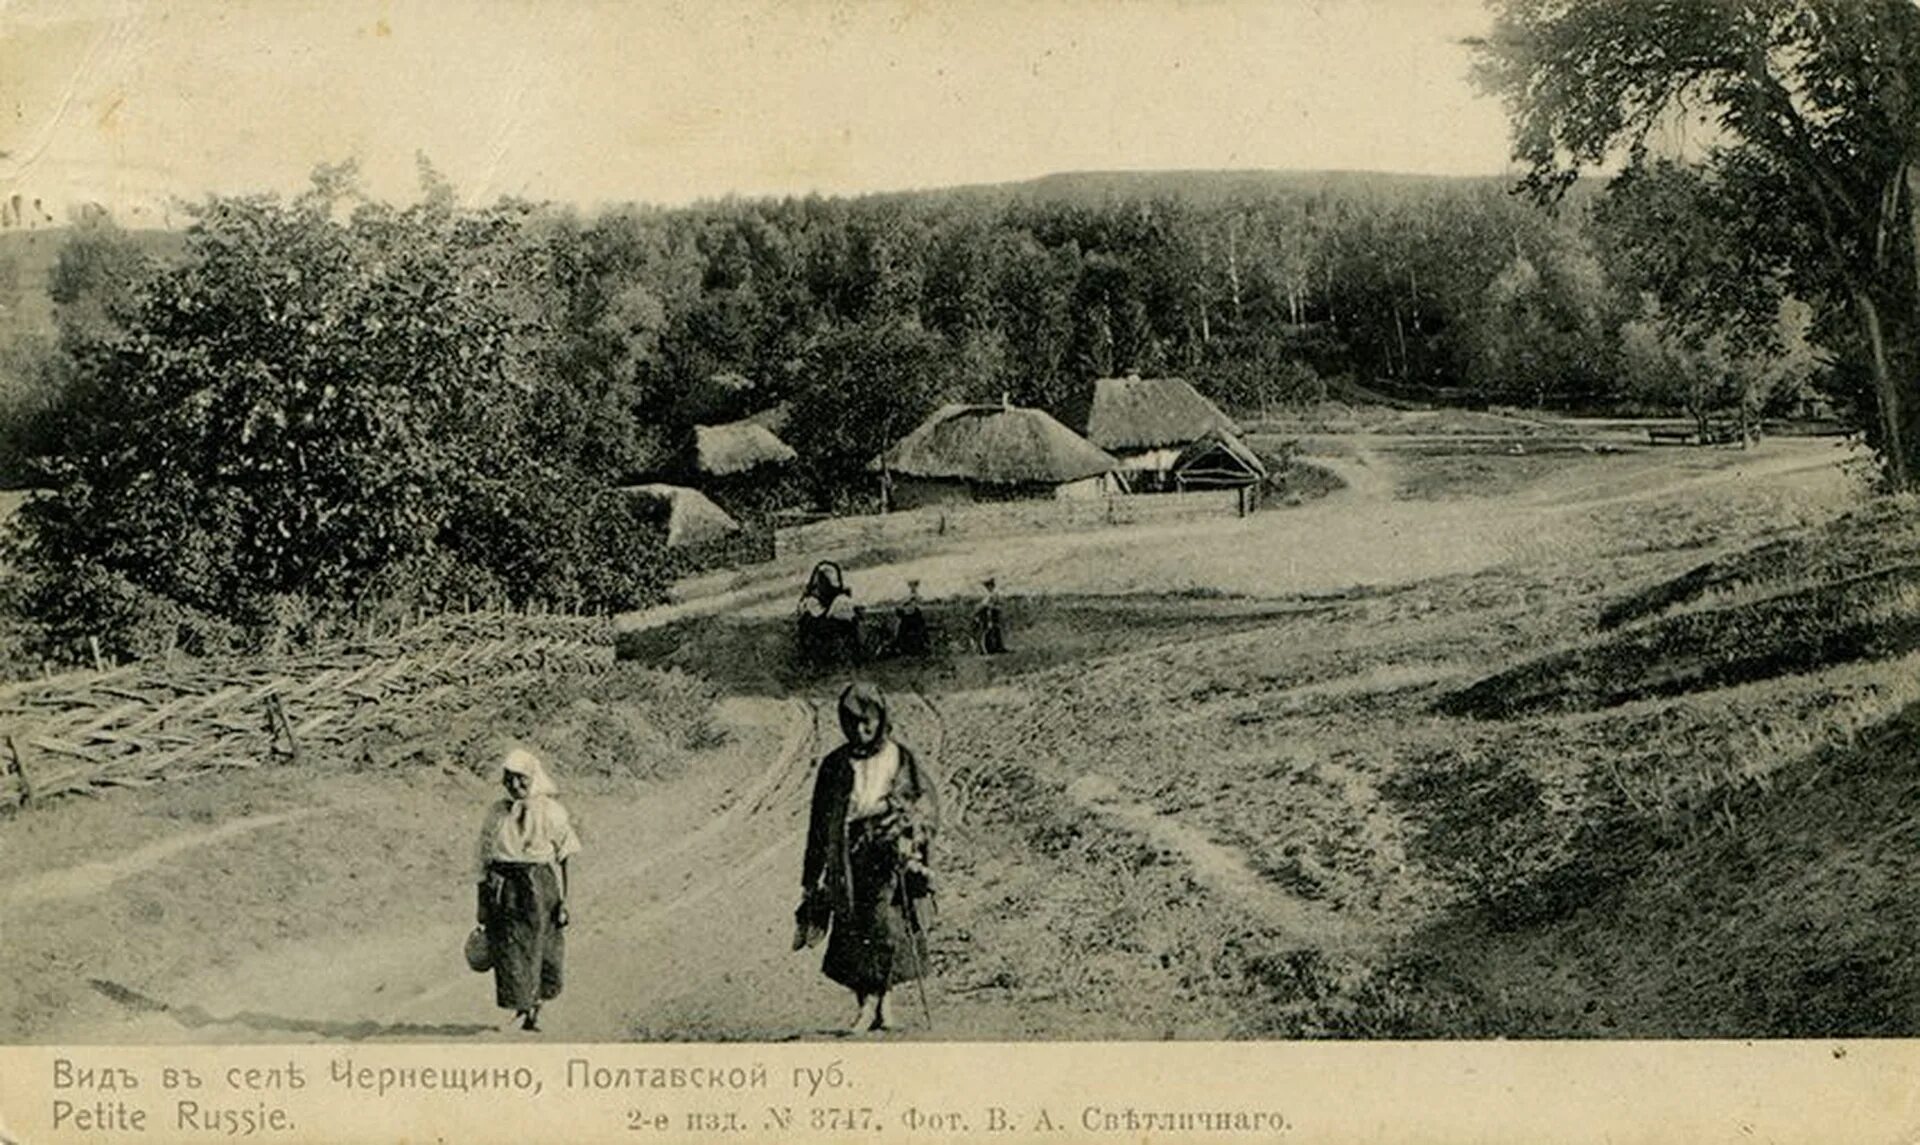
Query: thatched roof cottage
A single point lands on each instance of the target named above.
(1146, 422)
(737, 447)
(991, 453)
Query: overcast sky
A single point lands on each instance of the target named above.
(131, 103)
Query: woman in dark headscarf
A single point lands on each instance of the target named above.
(829, 621)
(869, 839)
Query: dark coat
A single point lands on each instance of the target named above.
(826, 867)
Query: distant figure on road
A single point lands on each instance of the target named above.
(525, 848)
(866, 878)
(829, 621)
(910, 635)
(989, 623)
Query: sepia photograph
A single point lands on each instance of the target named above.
(884, 523)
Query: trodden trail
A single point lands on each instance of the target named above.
(682, 930)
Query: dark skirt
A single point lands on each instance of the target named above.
(527, 944)
(993, 633)
(876, 945)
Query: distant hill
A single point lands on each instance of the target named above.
(1091, 188)
(1210, 188)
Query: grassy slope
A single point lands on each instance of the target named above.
(1520, 875)
(1734, 861)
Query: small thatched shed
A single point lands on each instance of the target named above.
(691, 518)
(991, 453)
(1146, 422)
(1217, 461)
(737, 447)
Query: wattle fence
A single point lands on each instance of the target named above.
(369, 702)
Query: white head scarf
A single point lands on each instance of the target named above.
(535, 829)
(520, 761)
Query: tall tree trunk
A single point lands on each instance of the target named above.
(1892, 424)
(1401, 331)
(1233, 272)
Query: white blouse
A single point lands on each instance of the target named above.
(872, 778)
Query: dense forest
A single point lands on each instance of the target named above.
(300, 409)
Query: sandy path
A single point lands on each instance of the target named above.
(1220, 868)
(92, 878)
(1358, 536)
(682, 930)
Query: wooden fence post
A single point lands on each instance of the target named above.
(279, 728)
(20, 769)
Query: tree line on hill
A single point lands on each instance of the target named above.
(327, 404)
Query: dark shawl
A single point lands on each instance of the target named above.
(914, 790)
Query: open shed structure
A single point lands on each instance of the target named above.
(1146, 422)
(1217, 461)
(968, 453)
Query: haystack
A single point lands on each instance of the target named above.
(968, 452)
(737, 447)
(691, 518)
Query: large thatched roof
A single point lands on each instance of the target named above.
(723, 450)
(692, 519)
(1150, 413)
(999, 445)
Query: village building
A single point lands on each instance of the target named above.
(1218, 460)
(1146, 422)
(744, 467)
(968, 453)
(692, 520)
(736, 448)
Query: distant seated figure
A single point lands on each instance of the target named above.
(829, 620)
(910, 636)
(826, 586)
(989, 624)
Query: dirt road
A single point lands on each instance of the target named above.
(1359, 536)
(684, 899)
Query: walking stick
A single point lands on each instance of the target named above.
(913, 923)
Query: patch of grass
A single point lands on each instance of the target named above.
(1049, 905)
(759, 655)
(1297, 482)
(1460, 470)
(1781, 911)
(1862, 617)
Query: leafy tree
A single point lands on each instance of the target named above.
(1818, 125)
(326, 403)
(873, 383)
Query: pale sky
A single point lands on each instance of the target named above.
(133, 103)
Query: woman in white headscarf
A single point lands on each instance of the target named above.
(525, 848)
